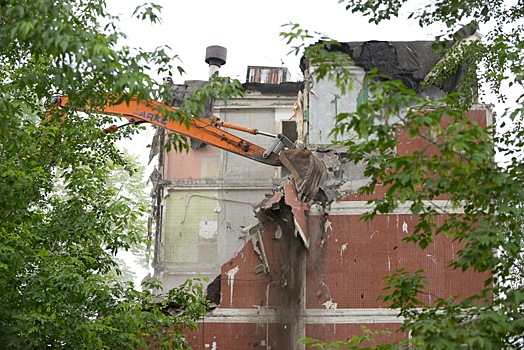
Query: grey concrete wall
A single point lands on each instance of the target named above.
(238, 169)
(326, 101)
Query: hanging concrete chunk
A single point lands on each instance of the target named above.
(309, 173)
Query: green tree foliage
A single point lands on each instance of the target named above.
(130, 182)
(479, 169)
(364, 342)
(62, 217)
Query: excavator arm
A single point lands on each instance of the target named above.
(308, 172)
(205, 130)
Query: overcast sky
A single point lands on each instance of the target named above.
(249, 30)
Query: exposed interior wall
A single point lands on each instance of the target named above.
(207, 195)
(235, 218)
(326, 101)
(192, 219)
(236, 169)
(203, 164)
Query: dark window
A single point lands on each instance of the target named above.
(289, 129)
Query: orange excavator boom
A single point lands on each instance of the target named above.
(308, 172)
(203, 129)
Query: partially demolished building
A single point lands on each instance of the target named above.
(280, 268)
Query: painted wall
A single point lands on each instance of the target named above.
(209, 193)
(326, 101)
(236, 169)
(201, 164)
(191, 218)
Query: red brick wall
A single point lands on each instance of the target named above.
(385, 332)
(358, 255)
(250, 289)
(240, 336)
(407, 145)
(345, 265)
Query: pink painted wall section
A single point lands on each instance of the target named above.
(188, 165)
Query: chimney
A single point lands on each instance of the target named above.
(216, 58)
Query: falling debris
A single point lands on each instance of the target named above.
(273, 201)
(258, 246)
(299, 210)
(286, 207)
(309, 173)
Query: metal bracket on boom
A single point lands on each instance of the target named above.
(278, 145)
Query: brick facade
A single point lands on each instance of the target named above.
(330, 290)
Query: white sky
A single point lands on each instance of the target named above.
(249, 30)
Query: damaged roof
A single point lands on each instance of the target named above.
(285, 88)
(408, 61)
